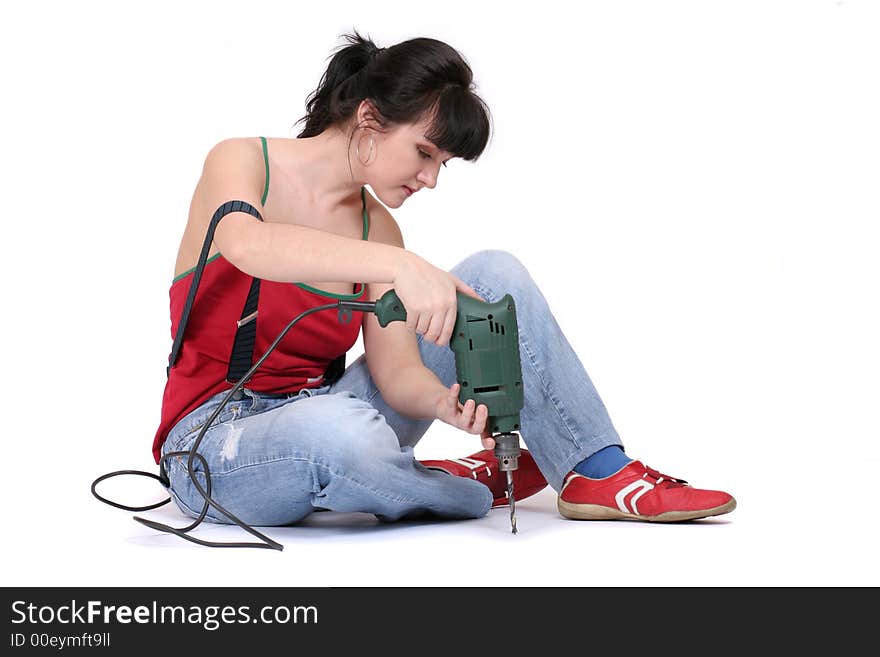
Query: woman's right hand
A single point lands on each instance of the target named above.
(429, 296)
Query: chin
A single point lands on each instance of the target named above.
(392, 201)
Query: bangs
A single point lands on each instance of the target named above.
(459, 123)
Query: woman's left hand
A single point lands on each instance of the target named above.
(467, 417)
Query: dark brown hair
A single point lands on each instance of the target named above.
(405, 82)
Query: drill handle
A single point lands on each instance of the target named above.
(389, 309)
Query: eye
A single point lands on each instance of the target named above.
(428, 156)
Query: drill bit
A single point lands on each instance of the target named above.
(511, 501)
(507, 452)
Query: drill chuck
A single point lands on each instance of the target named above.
(507, 451)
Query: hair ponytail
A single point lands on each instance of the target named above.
(330, 102)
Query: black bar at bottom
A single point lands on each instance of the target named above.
(404, 620)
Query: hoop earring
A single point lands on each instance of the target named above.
(357, 150)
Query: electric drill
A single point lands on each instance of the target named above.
(485, 342)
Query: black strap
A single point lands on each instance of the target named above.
(242, 356)
(335, 370)
(222, 211)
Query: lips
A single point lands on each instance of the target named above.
(409, 191)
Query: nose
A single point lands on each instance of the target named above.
(428, 177)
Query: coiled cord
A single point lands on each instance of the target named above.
(192, 454)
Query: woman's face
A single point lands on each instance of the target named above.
(403, 163)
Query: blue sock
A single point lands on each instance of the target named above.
(603, 463)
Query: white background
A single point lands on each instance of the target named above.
(692, 184)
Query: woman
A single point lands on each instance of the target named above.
(303, 434)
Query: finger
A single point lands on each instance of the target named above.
(454, 405)
(453, 394)
(452, 397)
(448, 327)
(467, 289)
(424, 323)
(435, 330)
(480, 418)
(488, 442)
(467, 414)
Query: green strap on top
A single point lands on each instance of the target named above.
(266, 159)
(366, 216)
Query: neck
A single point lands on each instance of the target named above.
(326, 169)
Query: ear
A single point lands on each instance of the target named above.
(367, 116)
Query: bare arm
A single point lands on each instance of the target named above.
(415, 391)
(284, 252)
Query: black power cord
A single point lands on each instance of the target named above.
(345, 308)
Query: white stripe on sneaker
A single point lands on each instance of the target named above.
(620, 498)
(473, 464)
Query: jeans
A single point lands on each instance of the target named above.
(273, 461)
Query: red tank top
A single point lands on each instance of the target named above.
(299, 361)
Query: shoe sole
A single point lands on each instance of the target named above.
(598, 512)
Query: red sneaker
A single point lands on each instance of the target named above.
(638, 492)
(483, 466)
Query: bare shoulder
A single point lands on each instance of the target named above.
(236, 147)
(236, 154)
(383, 227)
(233, 169)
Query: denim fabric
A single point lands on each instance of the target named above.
(341, 447)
